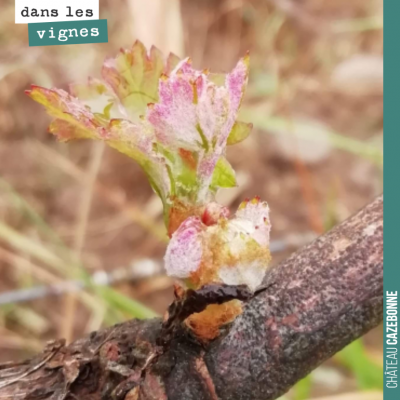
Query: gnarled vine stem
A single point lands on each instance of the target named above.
(318, 301)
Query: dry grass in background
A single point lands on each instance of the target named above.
(67, 211)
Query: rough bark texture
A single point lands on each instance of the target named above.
(318, 301)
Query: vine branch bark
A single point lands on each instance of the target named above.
(319, 300)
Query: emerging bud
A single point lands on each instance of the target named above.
(176, 122)
(231, 251)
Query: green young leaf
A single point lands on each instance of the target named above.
(239, 132)
(224, 175)
(73, 118)
(171, 118)
(133, 75)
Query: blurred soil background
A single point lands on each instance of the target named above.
(70, 210)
